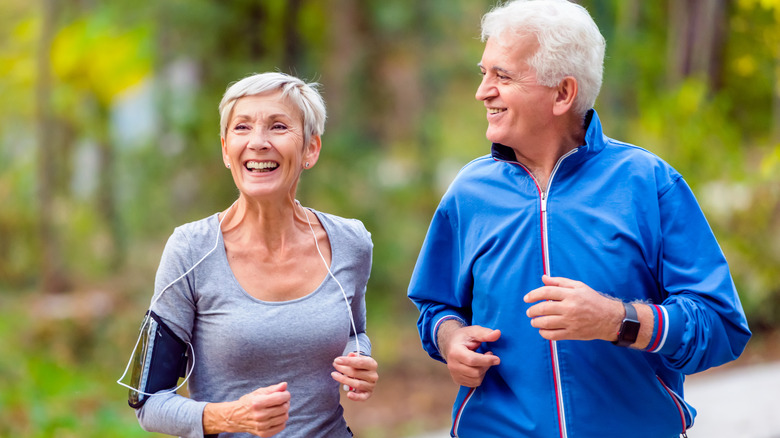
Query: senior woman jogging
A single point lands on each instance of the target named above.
(261, 306)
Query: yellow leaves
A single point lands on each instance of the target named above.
(768, 5)
(100, 57)
(690, 97)
(765, 4)
(745, 65)
(770, 163)
(17, 66)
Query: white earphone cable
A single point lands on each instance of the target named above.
(346, 300)
(154, 301)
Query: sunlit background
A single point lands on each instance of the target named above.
(109, 138)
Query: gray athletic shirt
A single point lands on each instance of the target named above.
(242, 343)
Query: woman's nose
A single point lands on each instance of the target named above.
(258, 139)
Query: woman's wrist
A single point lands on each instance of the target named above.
(215, 418)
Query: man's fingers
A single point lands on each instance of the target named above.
(544, 293)
(545, 308)
(480, 334)
(549, 322)
(561, 282)
(555, 289)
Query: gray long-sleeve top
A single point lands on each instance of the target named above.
(241, 343)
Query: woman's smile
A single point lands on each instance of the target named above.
(261, 166)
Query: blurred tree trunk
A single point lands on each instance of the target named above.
(776, 102)
(292, 36)
(696, 40)
(627, 26)
(106, 195)
(344, 50)
(53, 278)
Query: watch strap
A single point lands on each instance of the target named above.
(629, 327)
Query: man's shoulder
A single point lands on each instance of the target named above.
(638, 161)
(476, 168)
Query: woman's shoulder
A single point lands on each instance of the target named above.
(349, 228)
(197, 232)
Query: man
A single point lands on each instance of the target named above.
(568, 280)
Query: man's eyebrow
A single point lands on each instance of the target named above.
(496, 68)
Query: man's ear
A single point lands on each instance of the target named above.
(312, 153)
(566, 93)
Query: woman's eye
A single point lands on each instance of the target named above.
(241, 127)
(278, 126)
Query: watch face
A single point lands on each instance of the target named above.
(629, 331)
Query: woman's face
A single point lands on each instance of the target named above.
(264, 146)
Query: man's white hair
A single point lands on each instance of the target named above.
(570, 43)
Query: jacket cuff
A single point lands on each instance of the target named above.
(668, 328)
(435, 332)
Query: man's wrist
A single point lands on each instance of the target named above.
(629, 327)
(443, 333)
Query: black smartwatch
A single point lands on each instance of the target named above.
(629, 328)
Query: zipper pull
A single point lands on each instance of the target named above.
(544, 202)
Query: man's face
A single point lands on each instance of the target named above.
(518, 109)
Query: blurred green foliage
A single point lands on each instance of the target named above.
(116, 113)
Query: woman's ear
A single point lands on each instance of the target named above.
(566, 93)
(312, 153)
(225, 158)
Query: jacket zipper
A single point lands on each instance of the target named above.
(544, 195)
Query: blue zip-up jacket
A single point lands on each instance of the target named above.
(622, 221)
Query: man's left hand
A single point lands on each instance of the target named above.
(570, 310)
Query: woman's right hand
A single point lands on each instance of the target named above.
(263, 412)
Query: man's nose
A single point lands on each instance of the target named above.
(485, 89)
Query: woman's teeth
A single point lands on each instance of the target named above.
(261, 166)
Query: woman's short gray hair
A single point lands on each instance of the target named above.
(570, 43)
(303, 95)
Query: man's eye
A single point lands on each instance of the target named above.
(502, 77)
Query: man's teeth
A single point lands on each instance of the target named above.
(495, 110)
(261, 165)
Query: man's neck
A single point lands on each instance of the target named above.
(541, 157)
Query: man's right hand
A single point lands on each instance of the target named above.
(457, 345)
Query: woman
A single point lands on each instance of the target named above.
(274, 315)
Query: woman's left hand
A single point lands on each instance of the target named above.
(357, 372)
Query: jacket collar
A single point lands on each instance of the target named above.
(594, 141)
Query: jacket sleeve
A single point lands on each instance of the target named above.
(440, 287)
(174, 301)
(700, 323)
